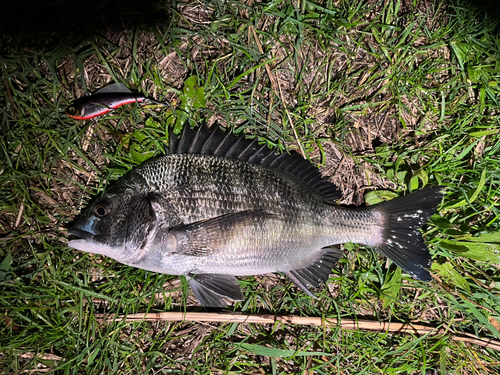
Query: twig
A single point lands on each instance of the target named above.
(275, 83)
(339, 168)
(347, 324)
(290, 119)
(268, 69)
(88, 137)
(48, 369)
(45, 356)
(19, 215)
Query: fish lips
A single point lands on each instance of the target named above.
(88, 244)
(80, 234)
(85, 238)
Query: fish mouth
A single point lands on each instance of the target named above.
(83, 235)
(86, 242)
(84, 239)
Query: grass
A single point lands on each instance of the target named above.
(382, 96)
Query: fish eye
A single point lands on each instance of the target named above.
(102, 208)
(75, 110)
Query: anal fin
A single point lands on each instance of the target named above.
(317, 273)
(211, 289)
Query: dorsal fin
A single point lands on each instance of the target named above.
(114, 88)
(205, 142)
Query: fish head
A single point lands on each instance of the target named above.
(119, 225)
(75, 111)
(102, 227)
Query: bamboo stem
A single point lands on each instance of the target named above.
(347, 324)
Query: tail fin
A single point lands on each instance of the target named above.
(402, 241)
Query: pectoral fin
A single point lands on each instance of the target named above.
(317, 273)
(210, 289)
(202, 238)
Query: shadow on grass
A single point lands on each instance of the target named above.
(490, 7)
(35, 23)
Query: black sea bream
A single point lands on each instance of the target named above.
(217, 207)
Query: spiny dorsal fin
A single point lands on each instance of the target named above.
(205, 142)
(114, 88)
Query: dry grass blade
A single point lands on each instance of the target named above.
(276, 84)
(268, 69)
(19, 215)
(347, 324)
(46, 356)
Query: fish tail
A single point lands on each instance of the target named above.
(402, 241)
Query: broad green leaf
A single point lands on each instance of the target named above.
(402, 175)
(139, 154)
(199, 98)
(474, 73)
(278, 353)
(92, 356)
(152, 123)
(181, 119)
(482, 133)
(383, 150)
(484, 252)
(453, 246)
(448, 272)
(5, 266)
(481, 317)
(374, 197)
(460, 52)
(440, 221)
(485, 237)
(267, 352)
(139, 135)
(419, 175)
(391, 289)
(413, 183)
(192, 95)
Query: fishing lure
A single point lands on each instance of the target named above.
(105, 100)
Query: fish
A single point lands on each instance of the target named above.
(105, 100)
(216, 207)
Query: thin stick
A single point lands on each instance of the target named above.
(45, 357)
(261, 50)
(347, 324)
(290, 119)
(19, 215)
(275, 84)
